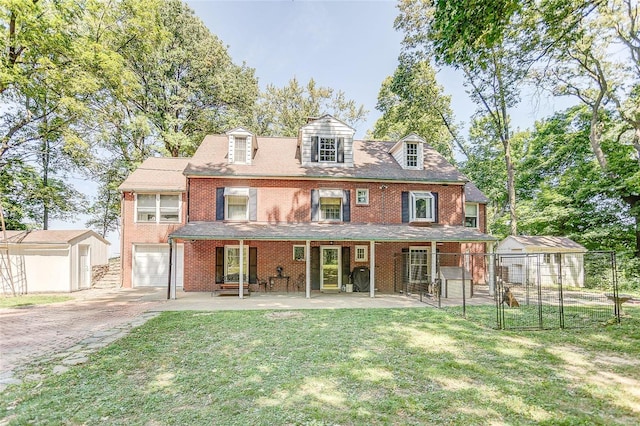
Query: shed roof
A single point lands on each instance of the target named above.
(327, 232)
(280, 157)
(473, 195)
(50, 236)
(546, 243)
(157, 174)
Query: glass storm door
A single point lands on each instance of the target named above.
(330, 268)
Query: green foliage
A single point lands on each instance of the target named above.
(31, 300)
(411, 101)
(282, 111)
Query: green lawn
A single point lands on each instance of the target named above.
(343, 367)
(31, 299)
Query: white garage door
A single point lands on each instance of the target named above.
(151, 265)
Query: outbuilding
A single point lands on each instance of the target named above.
(50, 261)
(546, 260)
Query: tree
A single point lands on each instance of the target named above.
(481, 39)
(412, 101)
(282, 111)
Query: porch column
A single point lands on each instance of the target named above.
(307, 266)
(434, 261)
(492, 269)
(241, 277)
(174, 270)
(171, 289)
(372, 269)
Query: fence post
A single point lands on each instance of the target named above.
(539, 283)
(560, 291)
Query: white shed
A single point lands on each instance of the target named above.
(50, 261)
(545, 260)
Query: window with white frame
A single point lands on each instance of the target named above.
(418, 264)
(412, 154)
(158, 208)
(299, 253)
(236, 207)
(362, 254)
(362, 196)
(471, 215)
(422, 207)
(327, 149)
(232, 263)
(331, 209)
(240, 150)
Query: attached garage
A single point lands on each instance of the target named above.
(151, 265)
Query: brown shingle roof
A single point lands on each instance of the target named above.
(473, 195)
(157, 174)
(548, 242)
(279, 157)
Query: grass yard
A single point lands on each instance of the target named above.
(343, 367)
(31, 299)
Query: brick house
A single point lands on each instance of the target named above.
(296, 213)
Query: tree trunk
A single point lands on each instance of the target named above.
(511, 188)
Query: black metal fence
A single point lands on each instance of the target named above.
(528, 291)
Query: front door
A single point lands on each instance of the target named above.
(330, 276)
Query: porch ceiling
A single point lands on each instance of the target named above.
(327, 232)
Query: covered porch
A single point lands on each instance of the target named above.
(318, 257)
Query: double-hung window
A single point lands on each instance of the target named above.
(331, 209)
(422, 207)
(236, 203)
(411, 154)
(158, 208)
(471, 215)
(362, 197)
(232, 263)
(240, 150)
(327, 149)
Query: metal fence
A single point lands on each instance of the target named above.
(528, 291)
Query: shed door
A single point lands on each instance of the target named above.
(84, 267)
(151, 265)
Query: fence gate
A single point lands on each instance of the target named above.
(555, 290)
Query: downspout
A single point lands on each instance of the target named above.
(188, 198)
(170, 262)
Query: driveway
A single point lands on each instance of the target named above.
(34, 332)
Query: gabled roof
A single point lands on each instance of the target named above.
(473, 195)
(57, 236)
(545, 243)
(279, 157)
(412, 137)
(326, 117)
(158, 174)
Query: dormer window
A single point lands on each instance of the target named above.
(327, 149)
(411, 149)
(242, 146)
(409, 152)
(240, 150)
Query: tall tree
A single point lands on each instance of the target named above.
(479, 38)
(282, 111)
(411, 100)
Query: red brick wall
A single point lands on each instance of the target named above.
(290, 200)
(140, 233)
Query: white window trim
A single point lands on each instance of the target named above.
(226, 208)
(406, 155)
(414, 196)
(245, 260)
(366, 192)
(157, 195)
(304, 253)
(320, 218)
(335, 149)
(477, 216)
(364, 258)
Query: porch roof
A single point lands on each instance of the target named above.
(327, 232)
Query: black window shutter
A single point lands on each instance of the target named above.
(340, 150)
(219, 264)
(315, 205)
(346, 206)
(219, 203)
(253, 265)
(435, 206)
(405, 207)
(315, 268)
(346, 264)
(315, 155)
(253, 204)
